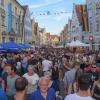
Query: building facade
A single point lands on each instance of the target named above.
(42, 33)
(66, 32)
(64, 35)
(69, 30)
(27, 31)
(33, 32)
(11, 21)
(54, 39)
(79, 23)
(37, 33)
(3, 18)
(48, 39)
(93, 9)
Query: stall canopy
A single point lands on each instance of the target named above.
(10, 45)
(77, 43)
(13, 47)
(25, 46)
(2, 50)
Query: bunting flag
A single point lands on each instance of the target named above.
(49, 13)
(85, 21)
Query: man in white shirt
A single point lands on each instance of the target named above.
(84, 89)
(32, 78)
(46, 65)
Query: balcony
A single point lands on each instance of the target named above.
(3, 12)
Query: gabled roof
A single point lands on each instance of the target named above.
(25, 7)
(54, 36)
(18, 3)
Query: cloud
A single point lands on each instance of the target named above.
(45, 3)
(60, 17)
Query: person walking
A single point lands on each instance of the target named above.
(33, 79)
(20, 86)
(84, 89)
(43, 92)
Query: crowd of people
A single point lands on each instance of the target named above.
(50, 74)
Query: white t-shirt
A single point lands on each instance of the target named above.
(76, 97)
(32, 82)
(46, 65)
(70, 76)
(84, 59)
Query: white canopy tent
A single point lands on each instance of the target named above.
(59, 46)
(77, 43)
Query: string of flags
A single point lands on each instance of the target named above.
(50, 13)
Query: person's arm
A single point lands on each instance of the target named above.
(75, 87)
(65, 87)
(3, 85)
(93, 88)
(69, 89)
(65, 82)
(66, 66)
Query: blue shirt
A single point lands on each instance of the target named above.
(37, 95)
(2, 95)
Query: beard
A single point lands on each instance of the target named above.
(43, 90)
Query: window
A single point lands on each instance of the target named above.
(97, 10)
(83, 38)
(92, 7)
(16, 39)
(90, 26)
(16, 26)
(3, 20)
(99, 46)
(97, 26)
(11, 39)
(3, 39)
(2, 3)
(20, 13)
(16, 10)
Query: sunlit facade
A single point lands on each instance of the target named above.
(93, 8)
(11, 28)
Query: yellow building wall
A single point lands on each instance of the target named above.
(33, 34)
(55, 41)
(5, 13)
(17, 10)
(42, 38)
(16, 13)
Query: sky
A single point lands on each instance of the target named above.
(54, 23)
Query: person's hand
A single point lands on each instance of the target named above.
(57, 93)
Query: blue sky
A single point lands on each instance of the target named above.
(53, 23)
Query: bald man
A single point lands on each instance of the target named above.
(43, 92)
